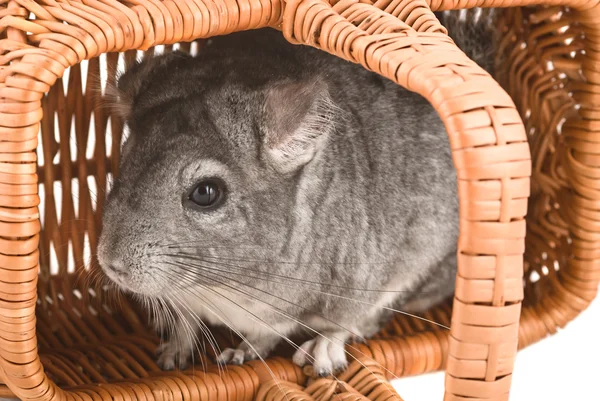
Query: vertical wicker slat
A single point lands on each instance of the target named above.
(561, 229)
(95, 352)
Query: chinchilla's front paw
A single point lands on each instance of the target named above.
(327, 355)
(237, 356)
(172, 355)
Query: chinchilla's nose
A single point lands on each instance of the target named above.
(109, 263)
(115, 268)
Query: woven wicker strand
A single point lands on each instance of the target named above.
(85, 349)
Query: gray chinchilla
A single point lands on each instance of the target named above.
(276, 189)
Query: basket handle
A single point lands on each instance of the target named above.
(491, 156)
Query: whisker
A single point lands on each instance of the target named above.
(285, 314)
(159, 319)
(205, 330)
(237, 332)
(263, 323)
(187, 327)
(186, 244)
(319, 292)
(184, 267)
(288, 262)
(209, 259)
(212, 341)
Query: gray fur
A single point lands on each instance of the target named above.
(364, 202)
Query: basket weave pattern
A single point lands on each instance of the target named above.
(61, 340)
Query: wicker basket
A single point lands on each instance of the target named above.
(60, 339)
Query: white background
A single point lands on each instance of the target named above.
(563, 367)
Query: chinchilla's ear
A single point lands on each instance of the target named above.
(151, 70)
(299, 116)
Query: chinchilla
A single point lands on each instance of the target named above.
(276, 189)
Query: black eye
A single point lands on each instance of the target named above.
(207, 194)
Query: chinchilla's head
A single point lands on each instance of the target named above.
(208, 173)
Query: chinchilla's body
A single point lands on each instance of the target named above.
(274, 189)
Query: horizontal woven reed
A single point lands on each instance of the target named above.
(61, 338)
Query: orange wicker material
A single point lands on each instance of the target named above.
(61, 338)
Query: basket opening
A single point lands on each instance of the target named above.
(79, 144)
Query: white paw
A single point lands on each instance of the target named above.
(171, 355)
(236, 356)
(326, 355)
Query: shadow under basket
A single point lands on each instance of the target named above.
(59, 147)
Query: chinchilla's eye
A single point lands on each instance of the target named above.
(207, 194)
